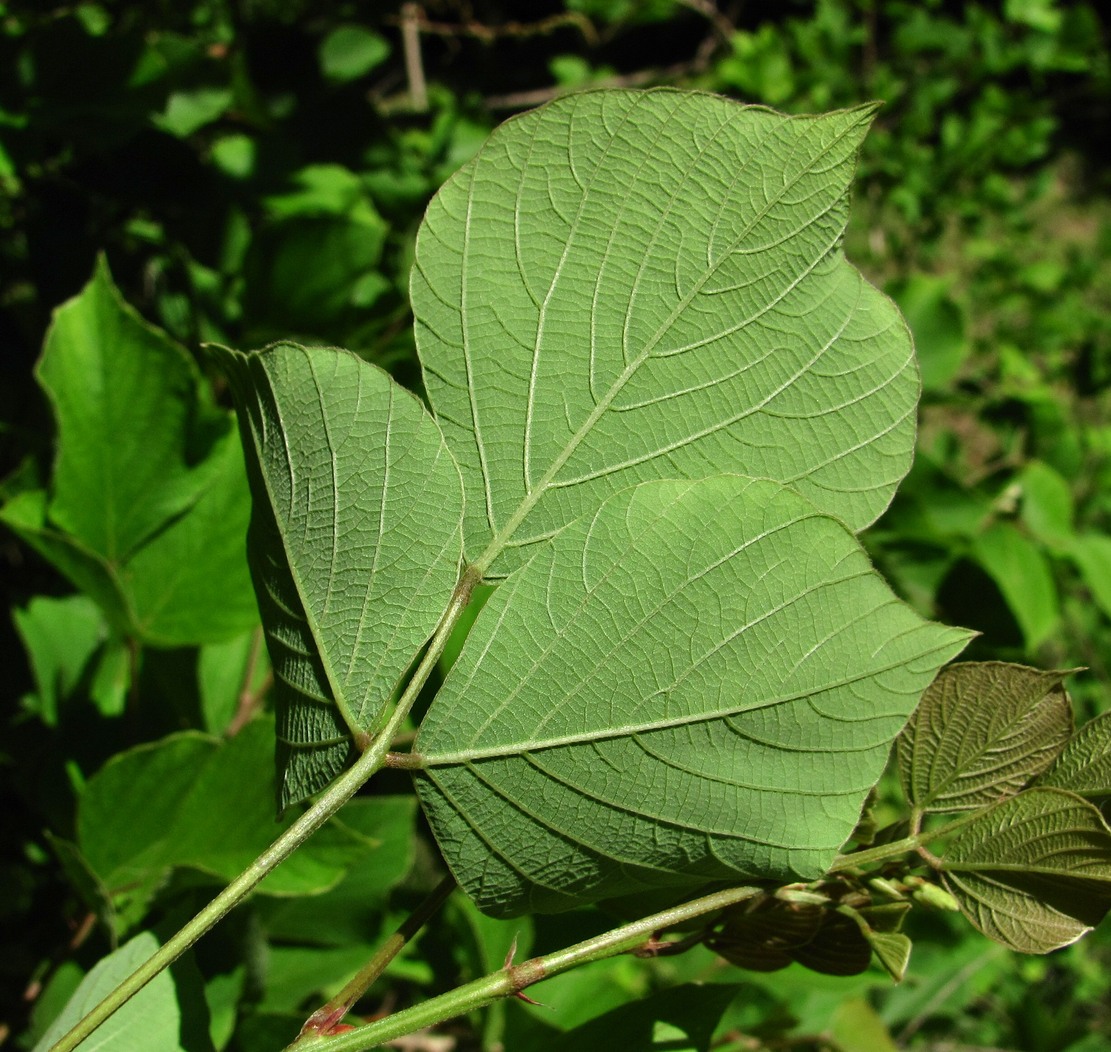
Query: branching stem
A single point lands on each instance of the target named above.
(330, 801)
(513, 978)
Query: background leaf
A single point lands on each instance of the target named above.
(150, 1022)
(147, 507)
(150, 809)
(1033, 872)
(632, 285)
(578, 749)
(354, 544)
(982, 731)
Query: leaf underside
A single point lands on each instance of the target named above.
(625, 286)
(701, 681)
(1033, 872)
(354, 543)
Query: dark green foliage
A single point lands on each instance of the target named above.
(254, 171)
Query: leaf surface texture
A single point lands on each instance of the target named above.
(700, 681)
(354, 542)
(624, 286)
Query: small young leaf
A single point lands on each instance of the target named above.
(982, 731)
(624, 286)
(1032, 872)
(354, 542)
(701, 681)
(1084, 765)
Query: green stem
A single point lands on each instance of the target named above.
(513, 978)
(332, 799)
(898, 848)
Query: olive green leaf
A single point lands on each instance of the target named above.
(354, 542)
(624, 286)
(1032, 872)
(700, 681)
(982, 731)
(1084, 765)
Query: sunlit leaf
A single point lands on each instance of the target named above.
(624, 286)
(1033, 872)
(354, 543)
(982, 731)
(700, 681)
(147, 506)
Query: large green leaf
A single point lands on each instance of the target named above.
(982, 732)
(624, 286)
(1032, 872)
(700, 681)
(354, 542)
(147, 507)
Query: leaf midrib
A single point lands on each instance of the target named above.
(533, 496)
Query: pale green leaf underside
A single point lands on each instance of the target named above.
(624, 286)
(1033, 872)
(355, 542)
(983, 731)
(700, 681)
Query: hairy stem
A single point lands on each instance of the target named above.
(330, 801)
(513, 978)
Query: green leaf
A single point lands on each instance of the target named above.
(681, 1019)
(982, 731)
(60, 637)
(1092, 554)
(1084, 765)
(1021, 571)
(1032, 872)
(1047, 505)
(147, 508)
(152, 809)
(939, 326)
(700, 681)
(150, 1022)
(624, 286)
(349, 51)
(354, 543)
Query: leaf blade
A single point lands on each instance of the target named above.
(586, 321)
(592, 708)
(354, 542)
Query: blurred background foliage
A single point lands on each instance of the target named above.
(254, 169)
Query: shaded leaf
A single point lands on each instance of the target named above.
(354, 543)
(1084, 765)
(151, 809)
(1032, 872)
(624, 286)
(982, 731)
(681, 1019)
(700, 681)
